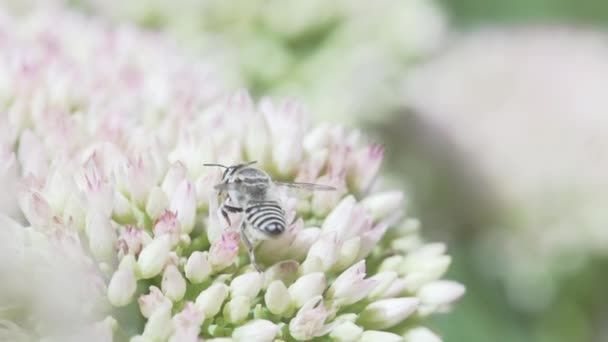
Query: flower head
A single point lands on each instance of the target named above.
(117, 181)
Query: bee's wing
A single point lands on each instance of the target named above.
(305, 186)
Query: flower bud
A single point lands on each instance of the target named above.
(383, 204)
(157, 203)
(277, 298)
(348, 253)
(421, 334)
(173, 283)
(309, 322)
(175, 175)
(385, 313)
(258, 330)
(223, 251)
(197, 267)
(384, 336)
(210, 300)
(36, 209)
(153, 257)
(307, 287)
(363, 170)
(183, 203)
(187, 324)
(248, 284)
(302, 243)
(152, 301)
(101, 234)
(350, 287)
(346, 332)
(122, 210)
(130, 241)
(159, 327)
(384, 281)
(237, 309)
(441, 292)
(285, 271)
(168, 224)
(123, 283)
(326, 249)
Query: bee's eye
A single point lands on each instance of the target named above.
(238, 180)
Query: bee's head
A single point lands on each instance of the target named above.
(230, 175)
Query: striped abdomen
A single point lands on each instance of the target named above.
(266, 216)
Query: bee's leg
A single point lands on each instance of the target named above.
(225, 209)
(249, 246)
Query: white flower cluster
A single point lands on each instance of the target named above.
(107, 129)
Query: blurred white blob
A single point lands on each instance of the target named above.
(528, 107)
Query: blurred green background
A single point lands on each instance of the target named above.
(580, 311)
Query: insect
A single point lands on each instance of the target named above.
(249, 190)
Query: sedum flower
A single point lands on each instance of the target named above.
(120, 210)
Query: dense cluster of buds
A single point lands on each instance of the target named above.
(107, 130)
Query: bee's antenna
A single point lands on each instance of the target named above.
(220, 165)
(252, 162)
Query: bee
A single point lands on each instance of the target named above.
(250, 191)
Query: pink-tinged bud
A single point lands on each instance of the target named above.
(98, 192)
(223, 252)
(75, 210)
(32, 155)
(383, 204)
(101, 235)
(159, 326)
(309, 322)
(248, 284)
(421, 334)
(441, 292)
(307, 287)
(370, 238)
(197, 267)
(210, 300)
(350, 286)
(183, 203)
(141, 175)
(285, 122)
(154, 256)
(36, 209)
(346, 332)
(168, 224)
(157, 203)
(375, 335)
(385, 313)
(152, 301)
(258, 330)
(302, 243)
(277, 298)
(326, 249)
(176, 174)
(187, 324)
(123, 283)
(237, 309)
(130, 241)
(173, 283)
(348, 219)
(365, 166)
